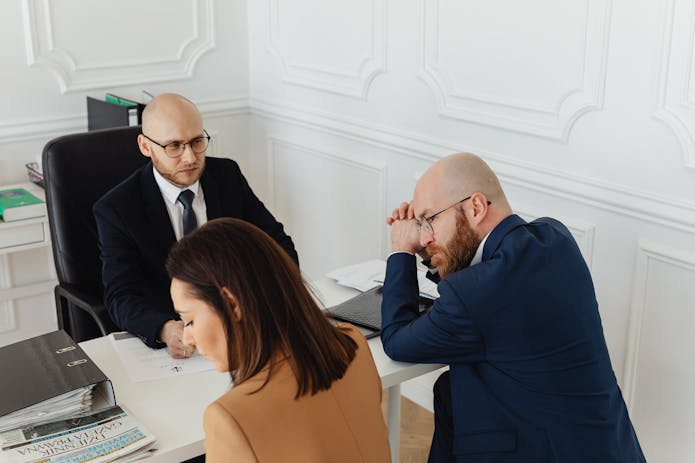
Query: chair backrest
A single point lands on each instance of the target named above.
(78, 170)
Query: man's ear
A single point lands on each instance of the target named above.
(145, 147)
(236, 310)
(480, 205)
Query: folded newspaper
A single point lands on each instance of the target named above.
(109, 435)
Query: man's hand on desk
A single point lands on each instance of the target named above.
(405, 232)
(172, 335)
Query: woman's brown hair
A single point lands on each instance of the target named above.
(278, 313)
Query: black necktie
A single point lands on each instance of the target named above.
(189, 221)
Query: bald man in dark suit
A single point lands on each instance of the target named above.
(530, 378)
(141, 218)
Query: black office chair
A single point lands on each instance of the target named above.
(78, 170)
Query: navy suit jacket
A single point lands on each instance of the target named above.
(135, 236)
(531, 379)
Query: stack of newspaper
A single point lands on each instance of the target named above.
(101, 437)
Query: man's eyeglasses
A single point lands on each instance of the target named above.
(425, 223)
(176, 148)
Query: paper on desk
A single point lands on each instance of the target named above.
(363, 276)
(144, 364)
(370, 274)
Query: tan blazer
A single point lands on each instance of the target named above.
(342, 424)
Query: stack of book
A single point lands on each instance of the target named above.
(20, 204)
(56, 405)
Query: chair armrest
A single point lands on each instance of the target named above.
(91, 304)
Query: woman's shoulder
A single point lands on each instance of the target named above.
(352, 331)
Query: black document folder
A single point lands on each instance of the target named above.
(45, 367)
(364, 311)
(103, 114)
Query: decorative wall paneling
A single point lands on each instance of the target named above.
(676, 98)
(334, 204)
(658, 377)
(55, 38)
(645, 206)
(524, 82)
(330, 53)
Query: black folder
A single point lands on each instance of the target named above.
(364, 311)
(46, 366)
(103, 114)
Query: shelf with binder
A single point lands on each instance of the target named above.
(114, 111)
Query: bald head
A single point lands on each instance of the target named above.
(463, 174)
(167, 108)
(456, 177)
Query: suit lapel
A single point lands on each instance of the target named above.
(499, 232)
(156, 210)
(212, 192)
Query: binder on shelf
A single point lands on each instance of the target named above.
(114, 112)
(47, 378)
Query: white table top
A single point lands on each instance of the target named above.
(172, 408)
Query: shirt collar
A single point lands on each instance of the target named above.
(478, 256)
(170, 191)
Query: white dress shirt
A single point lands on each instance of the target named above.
(170, 193)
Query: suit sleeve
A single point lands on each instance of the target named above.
(256, 213)
(445, 334)
(225, 441)
(130, 298)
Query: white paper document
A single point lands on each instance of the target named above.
(363, 276)
(370, 274)
(144, 363)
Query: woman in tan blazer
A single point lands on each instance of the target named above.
(304, 390)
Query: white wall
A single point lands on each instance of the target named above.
(54, 53)
(585, 109)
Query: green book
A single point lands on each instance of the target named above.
(19, 204)
(111, 98)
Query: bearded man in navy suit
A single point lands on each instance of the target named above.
(141, 218)
(530, 378)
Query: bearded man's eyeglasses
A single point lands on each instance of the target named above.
(425, 223)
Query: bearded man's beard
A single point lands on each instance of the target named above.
(459, 252)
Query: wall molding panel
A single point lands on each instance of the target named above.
(580, 93)
(362, 184)
(50, 44)
(44, 128)
(676, 93)
(353, 78)
(642, 205)
(658, 377)
(648, 254)
(37, 129)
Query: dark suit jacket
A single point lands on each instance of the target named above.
(531, 379)
(135, 236)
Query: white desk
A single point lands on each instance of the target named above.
(173, 408)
